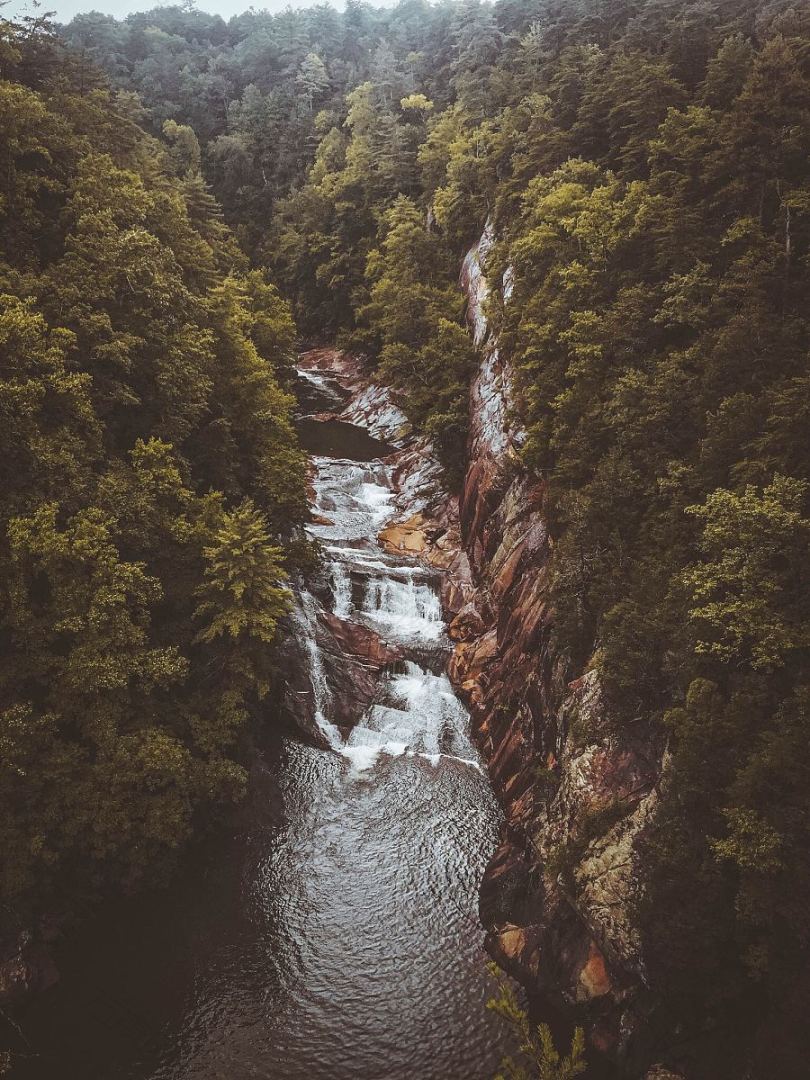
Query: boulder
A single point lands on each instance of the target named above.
(593, 980)
(354, 657)
(467, 625)
(406, 537)
(359, 642)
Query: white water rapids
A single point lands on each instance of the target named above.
(416, 711)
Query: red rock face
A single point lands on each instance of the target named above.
(358, 642)
(355, 657)
(557, 895)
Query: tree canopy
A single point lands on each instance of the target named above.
(152, 490)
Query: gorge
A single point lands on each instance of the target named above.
(357, 627)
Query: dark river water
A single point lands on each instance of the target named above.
(335, 935)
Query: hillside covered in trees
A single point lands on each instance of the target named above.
(645, 166)
(152, 489)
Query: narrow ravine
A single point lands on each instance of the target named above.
(336, 937)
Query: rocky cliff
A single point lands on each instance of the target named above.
(559, 893)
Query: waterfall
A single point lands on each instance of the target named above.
(419, 715)
(354, 498)
(341, 591)
(307, 617)
(414, 711)
(320, 392)
(404, 608)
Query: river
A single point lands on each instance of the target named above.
(333, 935)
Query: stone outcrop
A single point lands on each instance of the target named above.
(354, 657)
(558, 895)
(369, 405)
(406, 536)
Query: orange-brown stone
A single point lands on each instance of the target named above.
(405, 536)
(593, 981)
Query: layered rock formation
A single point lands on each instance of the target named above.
(559, 893)
(355, 657)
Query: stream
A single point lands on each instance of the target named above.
(334, 934)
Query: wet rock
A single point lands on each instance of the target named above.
(518, 948)
(443, 552)
(419, 484)
(355, 657)
(358, 642)
(298, 703)
(374, 409)
(406, 536)
(345, 366)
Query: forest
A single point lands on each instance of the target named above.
(152, 488)
(185, 200)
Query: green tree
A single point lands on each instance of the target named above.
(750, 597)
(312, 78)
(542, 1059)
(242, 599)
(140, 371)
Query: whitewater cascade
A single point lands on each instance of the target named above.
(416, 711)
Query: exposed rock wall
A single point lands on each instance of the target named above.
(558, 895)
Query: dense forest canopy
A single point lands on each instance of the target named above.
(152, 488)
(646, 168)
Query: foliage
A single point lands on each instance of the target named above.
(536, 1043)
(645, 165)
(152, 487)
(411, 320)
(751, 595)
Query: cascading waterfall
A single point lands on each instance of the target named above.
(419, 715)
(320, 391)
(415, 711)
(404, 608)
(341, 590)
(307, 617)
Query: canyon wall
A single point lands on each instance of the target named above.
(558, 896)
